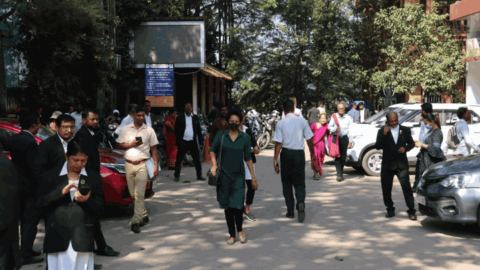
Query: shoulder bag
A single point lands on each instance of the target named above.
(333, 141)
(215, 180)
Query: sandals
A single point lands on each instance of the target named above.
(243, 239)
(231, 241)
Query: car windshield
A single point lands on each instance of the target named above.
(381, 117)
(406, 114)
(43, 133)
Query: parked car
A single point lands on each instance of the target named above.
(450, 190)
(112, 170)
(364, 156)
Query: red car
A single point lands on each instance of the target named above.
(112, 170)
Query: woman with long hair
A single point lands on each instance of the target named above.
(430, 152)
(72, 199)
(169, 132)
(235, 145)
(320, 131)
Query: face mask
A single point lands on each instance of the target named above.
(427, 126)
(233, 126)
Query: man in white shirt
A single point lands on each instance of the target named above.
(297, 112)
(126, 121)
(463, 134)
(364, 113)
(138, 140)
(77, 115)
(148, 115)
(321, 109)
(289, 140)
(342, 135)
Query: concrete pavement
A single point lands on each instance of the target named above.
(187, 230)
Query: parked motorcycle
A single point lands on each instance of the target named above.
(268, 123)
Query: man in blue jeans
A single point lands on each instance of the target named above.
(289, 140)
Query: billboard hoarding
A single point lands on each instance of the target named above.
(159, 84)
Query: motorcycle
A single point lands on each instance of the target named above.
(268, 124)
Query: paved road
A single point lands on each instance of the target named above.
(188, 231)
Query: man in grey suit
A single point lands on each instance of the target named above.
(364, 113)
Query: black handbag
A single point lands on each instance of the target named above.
(215, 180)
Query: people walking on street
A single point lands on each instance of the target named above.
(297, 112)
(23, 149)
(189, 137)
(138, 140)
(395, 141)
(342, 133)
(320, 132)
(290, 145)
(90, 148)
(219, 124)
(169, 132)
(245, 128)
(426, 109)
(430, 151)
(364, 113)
(51, 122)
(70, 210)
(354, 114)
(9, 216)
(235, 149)
(77, 115)
(149, 117)
(463, 134)
(313, 115)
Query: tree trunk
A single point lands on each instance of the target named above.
(3, 80)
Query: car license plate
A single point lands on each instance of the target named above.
(420, 199)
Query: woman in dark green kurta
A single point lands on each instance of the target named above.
(231, 189)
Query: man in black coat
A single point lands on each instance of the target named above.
(23, 147)
(395, 141)
(9, 215)
(189, 136)
(86, 132)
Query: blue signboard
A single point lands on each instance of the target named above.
(159, 80)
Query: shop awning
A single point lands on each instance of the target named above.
(210, 70)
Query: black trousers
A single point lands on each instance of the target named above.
(234, 217)
(387, 183)
(340, 161)
(7, 259)
(29, 219)
(99, 238)
(417, 175)
(292, 168)
(194, 151)
(250, 192)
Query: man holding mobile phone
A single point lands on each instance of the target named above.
(138, 140)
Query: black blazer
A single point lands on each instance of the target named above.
(391, 158)
(180, 128)
(9, 210)
(67, 220)
(253, 142)
(50, 154)
(93, 162)
(23, 149)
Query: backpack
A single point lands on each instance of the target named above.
(452, 138)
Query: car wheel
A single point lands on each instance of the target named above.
(372, 162)
(162, 157)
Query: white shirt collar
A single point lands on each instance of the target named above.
(290, 114)
(62, 140)
(188, 116)
(65, 170)
(396, 128)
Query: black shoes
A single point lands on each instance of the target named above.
(290, 214)
(31, 260)
(136, 228)
(107, 251)
(145, 220)
(35, 253)
(412, 216)
(301, 212)
(176, 179)
(390, 214)
(201, 178)
(340, 178)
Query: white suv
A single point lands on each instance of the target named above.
(363, 154)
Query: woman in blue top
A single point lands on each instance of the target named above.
(236, 148)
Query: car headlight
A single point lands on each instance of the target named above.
(357, 137)
(118, 168)
(456, 181)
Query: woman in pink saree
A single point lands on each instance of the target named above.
(320, 131)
